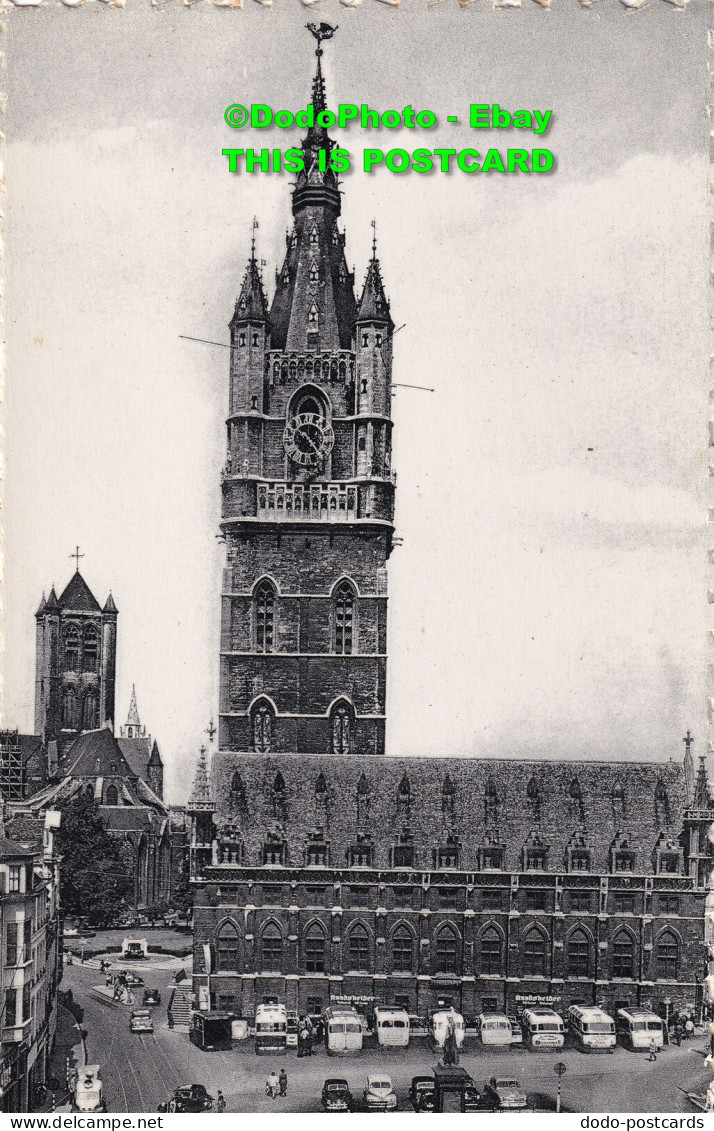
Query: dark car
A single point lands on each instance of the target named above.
(506, 1092)
(478, 1101)
(190, 1098)
(421, 1093)
(152, 997)
(336, 1096)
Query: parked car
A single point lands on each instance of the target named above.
(190, 1098)
(379, 1094)
(507, 1092)
(152, 997)
(421, 1093)
(478, 1101)
(516, 1030)
(336, 1095)
(141, 1021)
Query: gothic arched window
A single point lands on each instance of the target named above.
(69, 709)
(534, 953)
(667, 955)
(90, 649)
(402, 950)
(363, 801)
(271, 947)
(71, 649)
(264, 601)
(446, 951)
(404, 799)
(90, 710)
(344, 617)
(490, 804)
(491, 951)
(448, 797)
(261, 720)
(278, 798)
(358, 948)
(112, 796)
(623, 955)
(579, 955)
(227, 948)
(315, 949)
(341, 727)
(237, 798)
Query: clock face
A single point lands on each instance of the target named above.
(308, 439)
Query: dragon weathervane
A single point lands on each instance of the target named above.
(321, 31)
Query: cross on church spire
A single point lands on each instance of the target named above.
(688, 740)
(76, 555)
(210, 730)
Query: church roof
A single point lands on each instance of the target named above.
(93, 754)
(78, 597)
(109, 606)
(137, 752)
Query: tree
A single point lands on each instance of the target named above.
(94, 880)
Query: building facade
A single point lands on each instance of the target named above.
(321, 873)
(418, 881)
(30, 956)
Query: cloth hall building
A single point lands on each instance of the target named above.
(324, 869)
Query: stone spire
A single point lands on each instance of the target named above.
(374, 305)
(702, 794)
(314, 305)
(201, 793)
(132, 718)
(252, 305)
(688, 766)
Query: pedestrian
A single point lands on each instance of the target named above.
(283, 1078)
(220, 1102)
(689, 1027)
(678, 1034)
(711, 1038)
(272, 1085)
(302, 1033)
(653, 1049)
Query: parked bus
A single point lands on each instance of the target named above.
(392, 1027)
(271, 1029)
(591, 1027)
(495, 1029)
(543, 1029)
(440, 1022)
(343, 1031)
(637, 1027)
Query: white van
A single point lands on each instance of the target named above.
(591, 1027)
(543, 1029)
(392, 1027)
(637, 1027)
(494, 1029)
(343, 1031)
(440, 1022)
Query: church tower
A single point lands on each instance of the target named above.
(308, 490)
(75, 666)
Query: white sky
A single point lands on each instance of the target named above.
(547, 599)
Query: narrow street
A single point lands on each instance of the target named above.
(142, 1070)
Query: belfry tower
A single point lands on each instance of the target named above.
(308, 490)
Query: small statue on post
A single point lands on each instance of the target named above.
(450, 1057)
